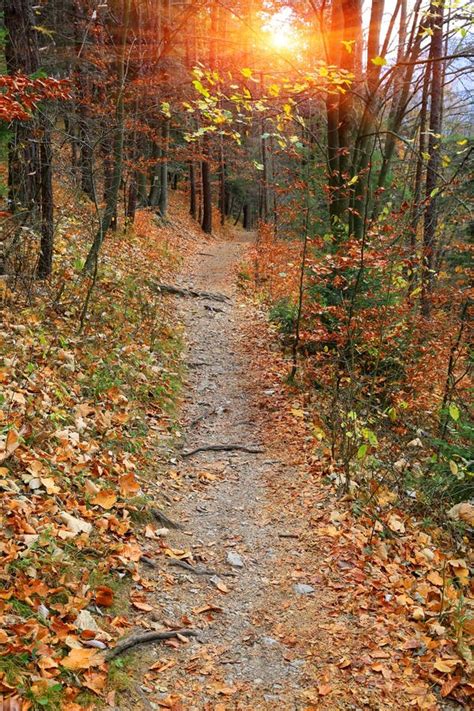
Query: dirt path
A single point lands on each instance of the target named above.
(290, 608)
(237, 662)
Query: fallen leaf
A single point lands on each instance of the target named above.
(396, 524)
(104, 596)
(324, 689)
(74, 524)
(435, 578)
(446, 666)
(144, 606)
(11, 443)
(50, 485)
(206, 608)
(128, 485)
(82, 659)
(106, 499)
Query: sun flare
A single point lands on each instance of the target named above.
(281, 37)
(280, 32)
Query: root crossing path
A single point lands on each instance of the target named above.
(238, 661)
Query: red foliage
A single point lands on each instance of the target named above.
(20, 95)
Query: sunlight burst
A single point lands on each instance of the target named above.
(280, 32)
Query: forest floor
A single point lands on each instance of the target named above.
(299, 599)
(291, 611)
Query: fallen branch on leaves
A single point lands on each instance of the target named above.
(179, 291)
(223, 448)
(137, 638)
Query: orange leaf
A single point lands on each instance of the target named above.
(82, 659)
(105, 499)
(129, 486)
(104, 596)
(435, 578)
(142, 605)
(12, 442)
(324, 689)
(449, 685)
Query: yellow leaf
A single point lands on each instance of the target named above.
(379, 61)
(446, 666)
(246, 72)
(395, 524)
(348, 44)
(50, 485)
(296, 412)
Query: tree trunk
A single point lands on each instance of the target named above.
(206, 197)
(132, 196)
(45, 263)
(163, 199)
(431, 213)
(154, 195)
(422, 141)
(22, 56)
(193, 209)
(247, 219)
(112, 197)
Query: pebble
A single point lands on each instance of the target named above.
(303, 589)
(235, 560)
(269, 641)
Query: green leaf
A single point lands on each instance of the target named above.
(200, 88)
(362, 451)
(454, 412)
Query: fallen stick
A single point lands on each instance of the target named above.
(181, 291)
(191, 568)
(163, 519)
(223, 448)
(148, 561)
(143, 638)
(199, 571)
(214, 309)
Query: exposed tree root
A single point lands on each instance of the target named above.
(223, 448)
(137, 638)
(191, 568)
(179, 291)
(164, 520)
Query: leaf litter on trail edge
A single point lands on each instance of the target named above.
(80, 437)
(408, 581)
